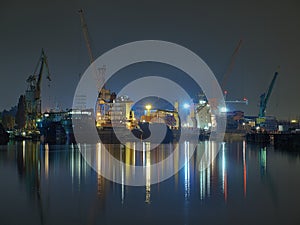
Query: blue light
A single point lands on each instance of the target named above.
(186, 105)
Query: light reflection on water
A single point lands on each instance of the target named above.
(54, 185)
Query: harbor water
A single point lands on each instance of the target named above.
(244, 184)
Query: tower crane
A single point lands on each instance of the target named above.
(264, 98)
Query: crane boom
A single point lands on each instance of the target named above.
(86, 35)
(231, 65)
(264, 98)
(99, 73)
(43, 62)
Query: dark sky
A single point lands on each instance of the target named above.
(212, 29)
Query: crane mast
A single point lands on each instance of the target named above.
(264, 98)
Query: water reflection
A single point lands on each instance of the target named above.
(34, 161)
(244, 169)
(46, 161)
(186, 170)
(212, 172)
(147, 161)
(58, 177)
(263, 160)
(29, 171)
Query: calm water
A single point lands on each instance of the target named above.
(245, 184)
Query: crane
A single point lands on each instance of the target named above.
(264, 98)
(43, 62)
(99, 72)
(230, 67)
(33, 92)
(86, 35)
(104, 95)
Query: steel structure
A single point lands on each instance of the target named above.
(264, 98)
(33, 92)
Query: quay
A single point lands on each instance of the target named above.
(288, 141)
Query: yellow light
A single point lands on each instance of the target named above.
(148, 107)
(294, 121)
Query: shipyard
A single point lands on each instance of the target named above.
(138, 112)
(117, 112)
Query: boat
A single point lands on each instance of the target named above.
(51, 128)
(21, 135)
(154, 132)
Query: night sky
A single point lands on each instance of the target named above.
(212, 29)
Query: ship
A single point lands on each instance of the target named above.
(59, 127)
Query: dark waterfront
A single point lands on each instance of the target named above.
(245, 184)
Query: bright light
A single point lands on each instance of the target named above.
(223, 109)
(148, 107)
(244, 124)
(257, 128)
(293, 121)
(186, 105)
